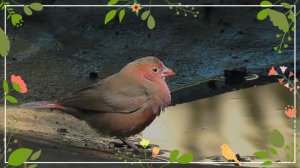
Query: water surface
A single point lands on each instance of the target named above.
(240, 118)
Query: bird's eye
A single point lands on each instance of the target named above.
(155, 69)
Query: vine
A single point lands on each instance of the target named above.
(277, 145)
(284, 21)
(18, 156)
(147, 14)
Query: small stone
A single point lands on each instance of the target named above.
(235, 76)
(212, 84)
(246, 60)
(238, 157)
(111, 145)
(93, 75)
(62, 130)
(241, 32)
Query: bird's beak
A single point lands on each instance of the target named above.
(167, 72)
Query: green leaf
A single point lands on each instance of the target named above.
(185, 158)
(173, 155)
(286, 5)
(32, 166)
(36, 6)
(276, 139)
(272, 150)
(262, 15)
(145, 15)
(109, 16)
(17, 87)
(112, 2)
(267, 163)
(5, 43)
(151, 22)
(16, 20)
(27, 10)
(36, 155)
(287, 156)
(265, 3)
(1, 4)
(19, 156)
(5, 86)
(291, 16)
(8, 16)
(261, 154)
(121, 15)
(279, 19)
(11, 99)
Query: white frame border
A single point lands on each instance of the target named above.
(295, 89)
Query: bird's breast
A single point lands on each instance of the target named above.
(122, 124)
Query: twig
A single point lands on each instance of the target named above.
(165, 165)
(16, 2)
(124, 156)
(145, 154)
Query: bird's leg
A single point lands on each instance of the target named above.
(133, 146)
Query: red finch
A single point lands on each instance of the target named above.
(120, 105)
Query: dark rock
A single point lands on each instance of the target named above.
(246, 60)
(212, 84)
(238, 157)
(241, 32)
(227, 24)
(93, 75)
(235, 76)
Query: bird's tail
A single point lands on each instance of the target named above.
(41, 105)
(237, 161)
(48, 105)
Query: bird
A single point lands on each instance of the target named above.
(120, 105)
(228, 153)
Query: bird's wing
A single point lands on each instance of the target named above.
(110, 95)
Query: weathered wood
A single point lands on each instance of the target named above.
(54, 126)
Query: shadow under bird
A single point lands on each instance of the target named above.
(120, 105)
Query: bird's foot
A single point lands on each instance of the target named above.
(137, 148)
(132, 145)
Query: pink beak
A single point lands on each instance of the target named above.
(167, 72)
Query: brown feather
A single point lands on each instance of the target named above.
(123, 104)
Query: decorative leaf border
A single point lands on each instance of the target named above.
(279, 20)
(136, 7)
(276, 140)
(18, 156)
(284, 21)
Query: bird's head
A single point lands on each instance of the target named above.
(150, 68)
(224, 146)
